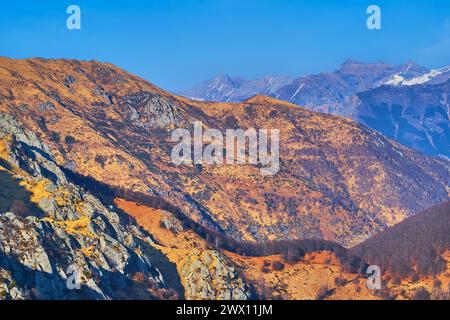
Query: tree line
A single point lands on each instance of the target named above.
(291, 250)
(412, 247)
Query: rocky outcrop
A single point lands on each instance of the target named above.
(66, 237)
(208, 275)
(65, 244)
(151, 110)
(204, 270)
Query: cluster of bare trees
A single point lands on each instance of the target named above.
(291, 250)
(412, 247)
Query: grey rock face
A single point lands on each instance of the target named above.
(101, 93)
(210, 276)
(69, 80)
(46, 106)
(75, 230)
(151, 110)
(8, 287)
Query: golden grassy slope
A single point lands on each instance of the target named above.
(303, 280)
(297, 281)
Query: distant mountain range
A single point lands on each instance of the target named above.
(424, 125)
(232, 89)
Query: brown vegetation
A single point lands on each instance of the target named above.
(291, 250)
(412, 248)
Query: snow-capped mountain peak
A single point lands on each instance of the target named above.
(435, 76)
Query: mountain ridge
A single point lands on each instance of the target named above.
(342, 92)
(351, 77)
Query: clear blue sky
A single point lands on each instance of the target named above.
(176, 43)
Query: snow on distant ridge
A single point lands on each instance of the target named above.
(399, 80)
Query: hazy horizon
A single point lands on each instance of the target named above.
(176, 44)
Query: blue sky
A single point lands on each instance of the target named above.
(176, 43)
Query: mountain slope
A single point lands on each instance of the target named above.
(49, 224)
(414, 255)
(407, 103)
(416, 116)
(435, 76)
(412, 246)
(338, 180)
(57, 225)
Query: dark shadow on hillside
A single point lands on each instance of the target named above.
(5, 164)
(15, 198)
(53, 286)
(168, 269)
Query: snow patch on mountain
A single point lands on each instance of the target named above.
(399, 80)
(298, 90)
